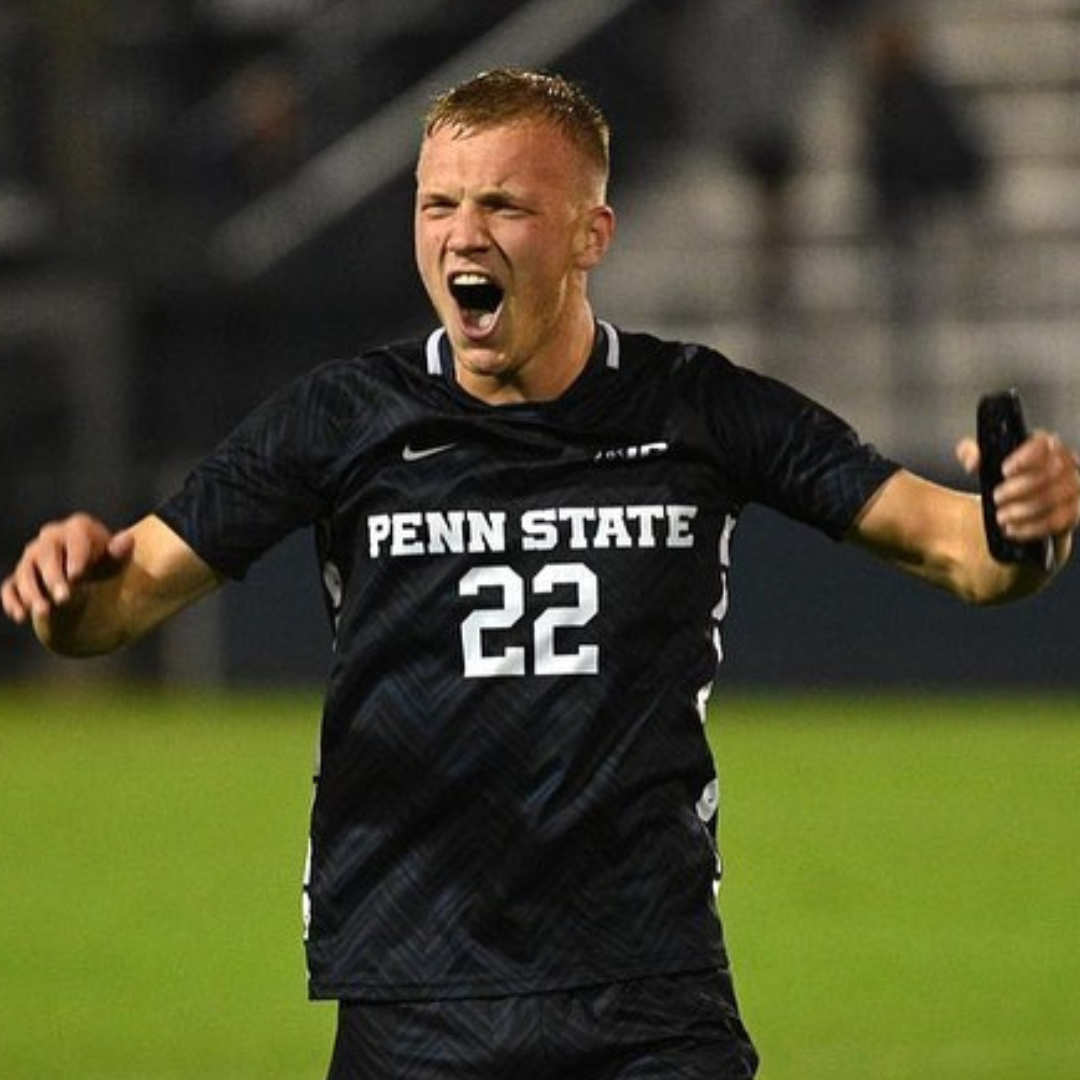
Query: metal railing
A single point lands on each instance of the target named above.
(358, 165)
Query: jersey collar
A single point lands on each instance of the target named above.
(440, 360)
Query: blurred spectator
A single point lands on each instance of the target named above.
(27, 216)
(247, 138)
(923, 156)
(747, 105)
(919, 146)
(749, 95)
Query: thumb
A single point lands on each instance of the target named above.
(121, 545)
(967, 453)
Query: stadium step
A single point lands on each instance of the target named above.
(1000, 279)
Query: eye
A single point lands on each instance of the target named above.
(504, 206)
(437, 207)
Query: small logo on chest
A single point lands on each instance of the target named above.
(633, 453)
(418, 453)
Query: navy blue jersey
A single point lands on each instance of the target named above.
(515, 791)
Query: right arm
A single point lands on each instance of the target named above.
(938, 534)
(89, 591)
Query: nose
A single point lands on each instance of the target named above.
(469, 229)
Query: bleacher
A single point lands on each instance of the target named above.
(1003, 279)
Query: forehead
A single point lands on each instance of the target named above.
(523, 153)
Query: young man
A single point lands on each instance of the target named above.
(524, 525)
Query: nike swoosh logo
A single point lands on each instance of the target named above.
(410, 454)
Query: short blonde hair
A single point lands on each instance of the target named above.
(509, 95)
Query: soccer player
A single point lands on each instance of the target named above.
(524, 525)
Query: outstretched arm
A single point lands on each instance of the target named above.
(937, 533)
(88, 590)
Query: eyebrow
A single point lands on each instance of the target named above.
(500, 196)
(494, 196)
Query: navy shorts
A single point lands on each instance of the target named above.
(671, 1027)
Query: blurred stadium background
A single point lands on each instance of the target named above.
(201, 199)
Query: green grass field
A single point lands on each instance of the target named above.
(902, 894)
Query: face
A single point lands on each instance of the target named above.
(508, 223)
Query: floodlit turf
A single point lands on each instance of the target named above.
(152, 850)
(902, 891)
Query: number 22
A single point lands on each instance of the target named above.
(547, 660)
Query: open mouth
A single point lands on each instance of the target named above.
(479, 297)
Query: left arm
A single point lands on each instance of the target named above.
(937, 533)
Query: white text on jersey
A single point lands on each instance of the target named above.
(633, 453)
(576, 528)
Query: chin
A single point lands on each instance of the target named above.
(482, 362)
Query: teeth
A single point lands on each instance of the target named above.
(470, 279)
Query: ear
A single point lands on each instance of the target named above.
(598, 231)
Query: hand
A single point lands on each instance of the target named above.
(63, 554)
(1039, 496)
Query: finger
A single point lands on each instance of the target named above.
(1034, 452)
(121, 545)
(13, 606)
(84, 543)
(967, 453)
(79, 553)
(42, 575)
(25, 591)
(1037, 464)
(1044, 498)
(1046, 523)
